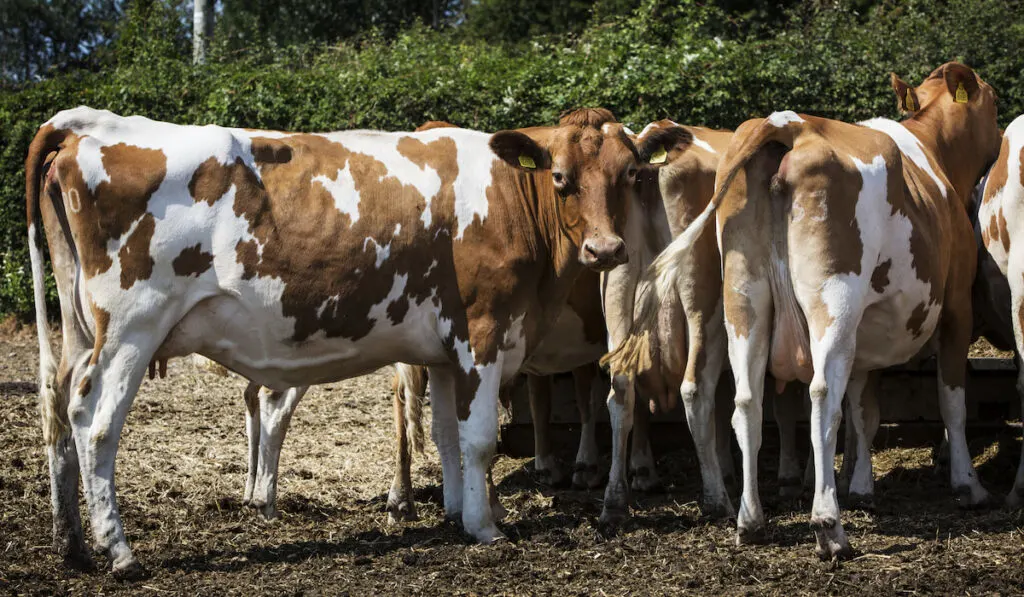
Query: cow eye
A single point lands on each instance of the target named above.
(561, 180)
(631, 173)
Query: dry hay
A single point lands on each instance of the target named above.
(180, 476)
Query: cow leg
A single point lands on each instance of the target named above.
(478, 438)
(252, 435)
(862, 424)
(62, 457)
(641, 458)
(544, 461)
(954, 341)
(698, 392)
(98, 410)
(748, 354)
(445, 433)
(586, 473)
(787, 405)
(401, 505)
(1015, 276)
(724, 407)
(621, 399)
(276, 409)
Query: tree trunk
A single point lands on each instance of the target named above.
(202, 29)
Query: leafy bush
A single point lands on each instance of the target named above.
(682, 61)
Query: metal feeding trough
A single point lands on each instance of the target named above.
(907, 400)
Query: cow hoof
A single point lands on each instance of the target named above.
(586, 476)
(269, 512)
(861, 501)
(552, 475)
(831, 538)
(611, 520)
(832, 551)
(977, 498)
(751, 536)
(790, 488)
(128, 570)
(403, 511)
(489, 535)
(1015, 499)
(717, 509)
(644, 479)
(75, 555)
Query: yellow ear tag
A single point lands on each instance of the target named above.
(961, 94)
(909, 101)
(659, 156)
(527, 162)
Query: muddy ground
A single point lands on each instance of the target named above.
(181, 471)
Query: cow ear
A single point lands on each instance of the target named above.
(520, 151)
(656, 147)
(906, 97)
(961, 82)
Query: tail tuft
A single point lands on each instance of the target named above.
(410, 387)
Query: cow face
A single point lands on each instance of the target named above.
(592, 176)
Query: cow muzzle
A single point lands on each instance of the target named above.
(603, 253)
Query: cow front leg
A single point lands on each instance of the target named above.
(586, 471)
(445, 433)
(476, 401)
(787, 405)
(621, 399)
(862, 424)
(1015, 276)
(276, 410)
(641, 459)
(544, 462)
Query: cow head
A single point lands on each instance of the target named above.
(960, 108)
(589, 173)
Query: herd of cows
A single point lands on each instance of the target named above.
(466, 258)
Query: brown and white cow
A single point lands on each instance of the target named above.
(1000, 221)
(296, 259)
(690, 348)
(845, 249)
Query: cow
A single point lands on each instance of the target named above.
(295, 259)
(845, 249)
(689, 355)
(1000, 220)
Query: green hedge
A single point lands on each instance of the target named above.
(681, 64)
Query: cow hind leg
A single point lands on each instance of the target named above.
(544, 461)
(98, 411)
(62, 457)
(276, 409)
(698, 394)
(723, 437)
(252, 436)
(586, 471)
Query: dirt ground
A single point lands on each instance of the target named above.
(181, 471)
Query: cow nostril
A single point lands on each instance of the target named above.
(589, 249)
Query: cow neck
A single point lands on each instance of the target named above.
(953, 146)
(555, 247)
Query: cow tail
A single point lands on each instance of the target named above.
(410, 387)
(52, 405)
(634, 354)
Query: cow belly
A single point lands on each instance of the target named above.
(889, 333)
(257, 344)
(564, 348)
